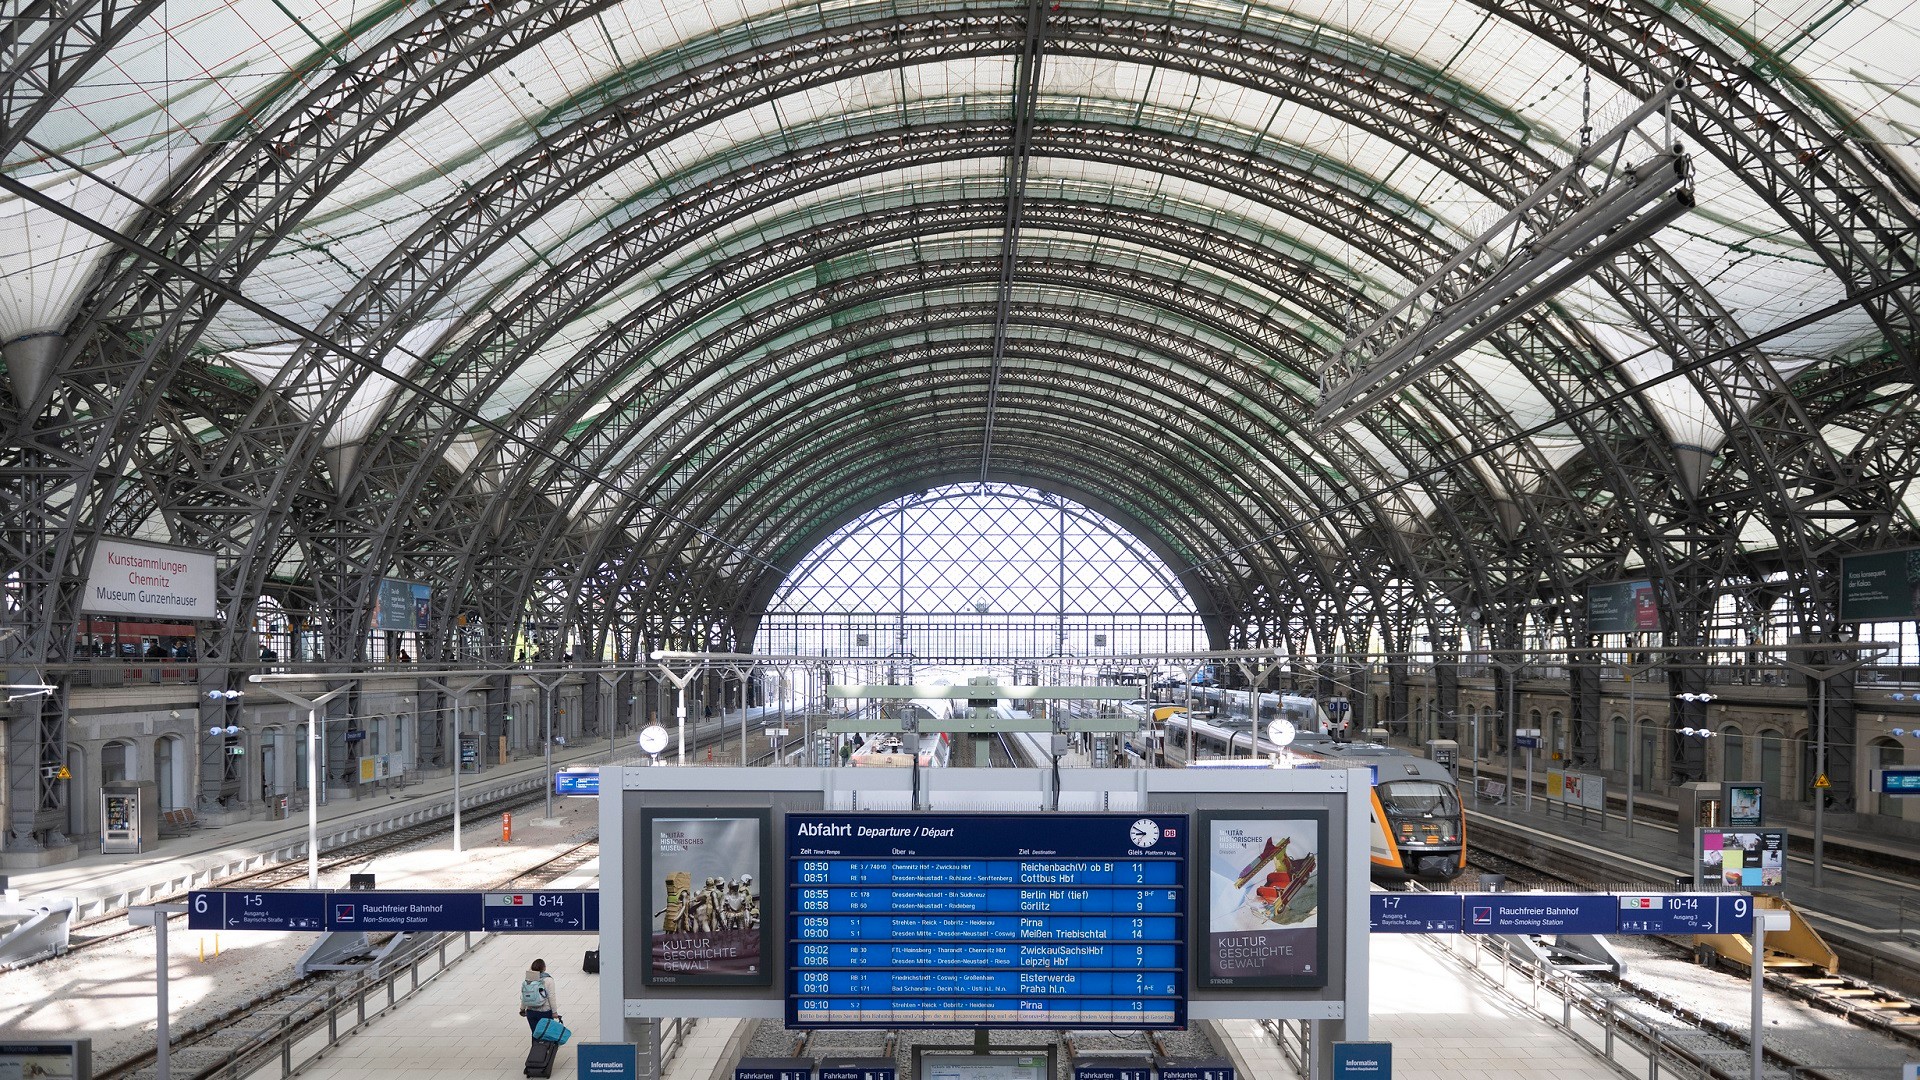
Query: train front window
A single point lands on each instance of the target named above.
(1419, 798)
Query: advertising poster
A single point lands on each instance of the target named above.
(1742, 859)
(1880, 586)
(1623, 607)
(129, 578)
(402, 605)
(704, 872)
(1263, 920)
(1744, 807)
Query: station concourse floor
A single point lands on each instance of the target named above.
(1444, 1023)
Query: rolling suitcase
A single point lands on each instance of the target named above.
(540, 1059)
(591, 963)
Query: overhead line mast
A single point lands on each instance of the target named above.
(1026, 82)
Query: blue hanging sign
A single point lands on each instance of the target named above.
(580, 783)
(1415, 913)
(1541, 913)
(404, 912)
(276, 910)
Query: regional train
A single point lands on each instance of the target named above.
(932, 751)
(1419, 826)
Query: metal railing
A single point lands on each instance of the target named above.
(313, 1027)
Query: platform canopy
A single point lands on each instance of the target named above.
(598, 314)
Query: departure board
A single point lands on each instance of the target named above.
(987, 920)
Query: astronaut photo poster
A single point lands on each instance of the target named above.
(705, 873)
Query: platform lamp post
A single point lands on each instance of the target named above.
(549, 688)
(1822, 672)
(680, 690)
(312, 705)
(459, 697)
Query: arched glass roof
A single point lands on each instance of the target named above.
(651, 296)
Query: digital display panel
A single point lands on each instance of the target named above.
(1262, 878)
(987, 920)
(703, 871)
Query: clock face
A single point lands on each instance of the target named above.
(1280, 732)
(1145, 833)
(653, 738)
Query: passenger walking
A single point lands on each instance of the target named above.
(538, 997)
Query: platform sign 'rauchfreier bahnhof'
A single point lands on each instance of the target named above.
(986, 920)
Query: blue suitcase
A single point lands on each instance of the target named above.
(551, 1030)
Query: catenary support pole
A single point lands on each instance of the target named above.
(162, 1038)
(1757, 1036)
(314, 743)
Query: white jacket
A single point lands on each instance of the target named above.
(545, 979)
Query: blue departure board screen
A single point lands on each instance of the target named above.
(987, 920)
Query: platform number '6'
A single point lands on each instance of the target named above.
(199, 903)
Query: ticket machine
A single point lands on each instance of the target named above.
(129, 816)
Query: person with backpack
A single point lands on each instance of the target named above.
(538, 997)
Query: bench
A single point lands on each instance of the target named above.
(178, 821)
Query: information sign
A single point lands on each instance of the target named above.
(1540, 913)
(1112, 1069)
(404, 912)
(858, 1069)
(46, 1059)
(577, 782)
(986, 920)
(1685, 913)
(256, 911)
(1363, 1061)
(1416, 913)
(1746, 805)
(774, 1069)
(986, 1067)
(1209, 1069)
(1524, 742)
(608, 1061)
(560, 912)
(1896, 781)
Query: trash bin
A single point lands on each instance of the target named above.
(277, 807)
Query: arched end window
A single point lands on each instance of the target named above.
(981, 570)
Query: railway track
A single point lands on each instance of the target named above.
(250, 1029)
(1859, 1001)
(281, 874)
(113, 926)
